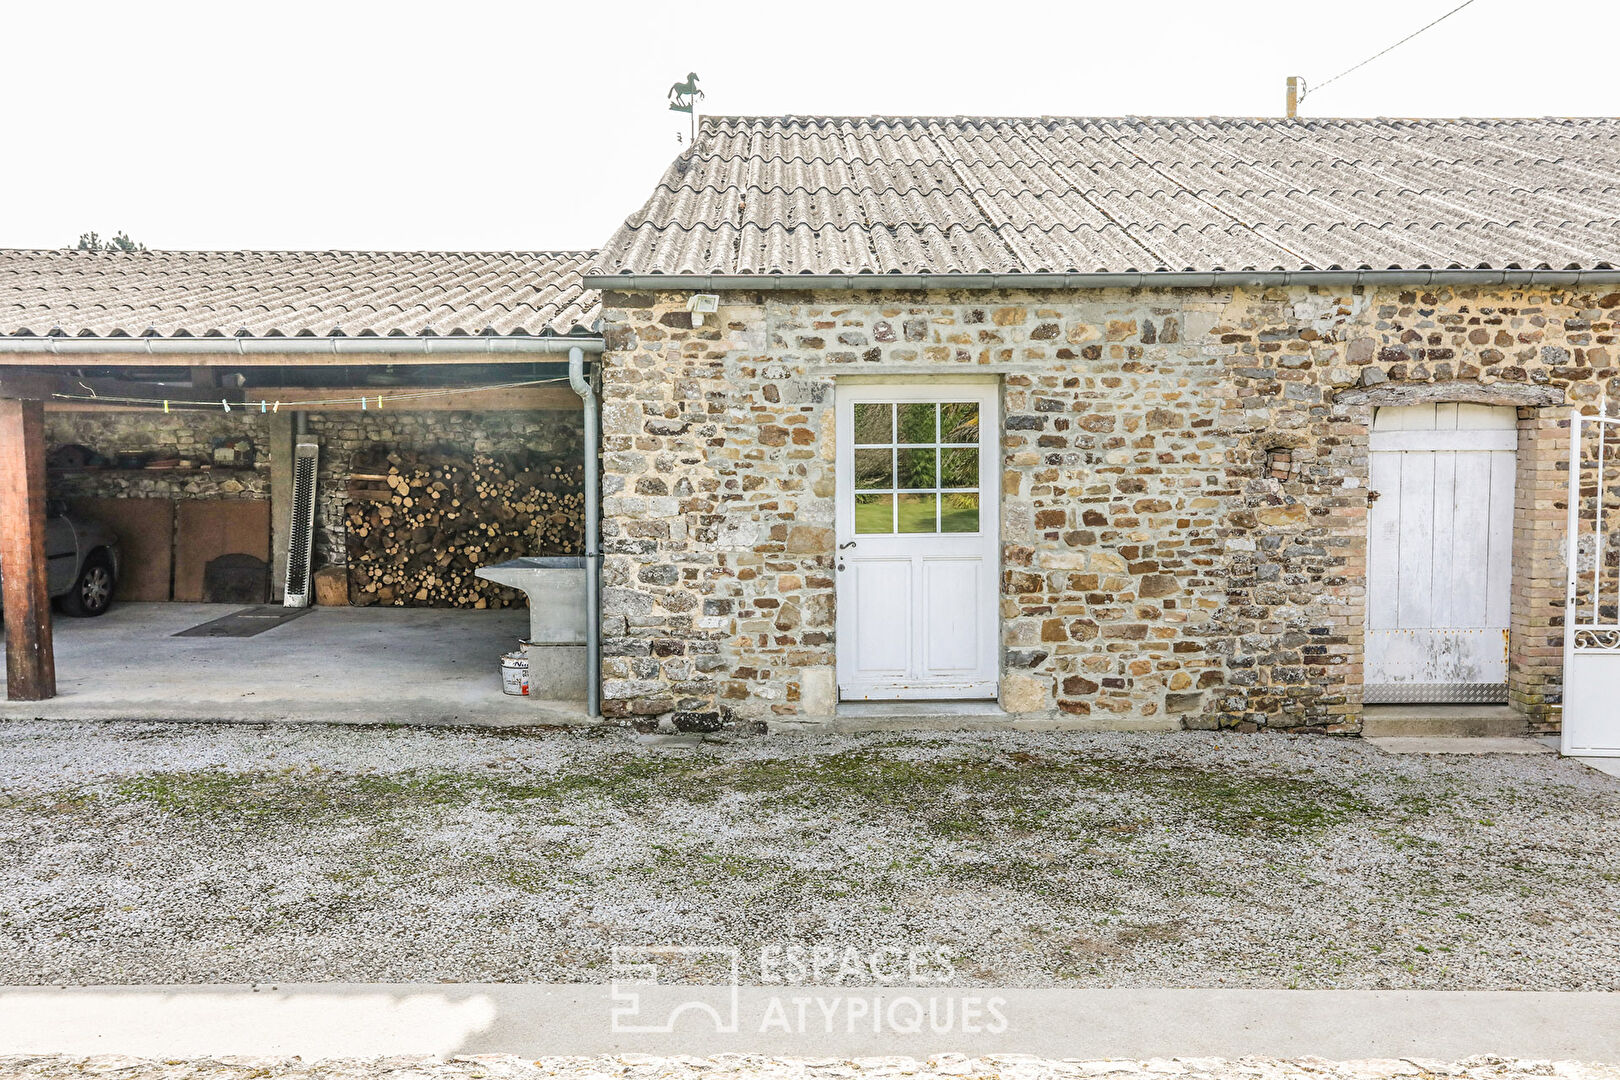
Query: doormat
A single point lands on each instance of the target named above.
(247, 622)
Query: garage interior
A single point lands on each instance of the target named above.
(424, 473)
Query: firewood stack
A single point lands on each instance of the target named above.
(420, 523)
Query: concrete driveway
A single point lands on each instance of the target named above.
(344, 665)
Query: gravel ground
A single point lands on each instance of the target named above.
(738, 1067)
(139, 853)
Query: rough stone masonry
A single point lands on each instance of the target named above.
(1184, 488)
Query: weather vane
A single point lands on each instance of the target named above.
(683, 95)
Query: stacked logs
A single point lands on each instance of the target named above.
(420, 523)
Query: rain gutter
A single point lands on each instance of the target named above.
(593, 532)
(1157, 279)
(468, 345)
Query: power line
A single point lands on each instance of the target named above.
(1312, 89)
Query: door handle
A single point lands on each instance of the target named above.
(847, 544)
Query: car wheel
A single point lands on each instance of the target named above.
(91, 595)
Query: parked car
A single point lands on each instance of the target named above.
(82, 562)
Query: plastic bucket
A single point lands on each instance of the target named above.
(515, 674)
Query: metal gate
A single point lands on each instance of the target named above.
(1591, 721)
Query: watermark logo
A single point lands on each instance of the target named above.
(796, 989)
(639, 967)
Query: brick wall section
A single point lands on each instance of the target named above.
(1540, 508)
(1184, 516)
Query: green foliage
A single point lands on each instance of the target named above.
(92, 241)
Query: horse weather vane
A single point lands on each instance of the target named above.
(682, 97)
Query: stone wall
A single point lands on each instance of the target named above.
(1184, 515)
(179, 434)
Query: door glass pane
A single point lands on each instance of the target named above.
(959, 422)
(916, 468)
(958, 467)
(917, 422)
(874, 468)
(874, 422)
(874, 513)
(959, 512)
(917, 511)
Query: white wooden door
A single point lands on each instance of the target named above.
(918, 540)
(1440, 553)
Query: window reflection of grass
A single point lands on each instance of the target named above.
(916, 512)
(874, 513)
(959, 514)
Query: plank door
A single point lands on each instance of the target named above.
(918, 541)
(1440, 553)
(205, 529)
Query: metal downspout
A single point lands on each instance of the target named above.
(593, 533)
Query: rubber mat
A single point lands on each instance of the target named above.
(247, 622)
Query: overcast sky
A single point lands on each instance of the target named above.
(542, 124)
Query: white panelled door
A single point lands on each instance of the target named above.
(1440, 553)
(918, 540)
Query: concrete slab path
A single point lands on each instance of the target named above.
(350, 1020)
(1460, 744)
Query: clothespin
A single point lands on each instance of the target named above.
(165, 406)
(379, 401)
(261, 405)
(225, 403)
(276, 407)
(362, 404)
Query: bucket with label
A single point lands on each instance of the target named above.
(515, 673)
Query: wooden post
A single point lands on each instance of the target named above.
(30, 661)
(1293, 96)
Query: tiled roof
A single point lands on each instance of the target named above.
(293, 293)
(796, 195)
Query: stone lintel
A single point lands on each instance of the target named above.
(1464, 391)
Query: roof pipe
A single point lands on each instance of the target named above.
(593, 533)
(456, 345)
(1154, 279)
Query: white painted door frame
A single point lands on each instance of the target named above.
(918, 614)
(1440, 553)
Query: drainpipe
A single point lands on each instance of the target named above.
(593, 532)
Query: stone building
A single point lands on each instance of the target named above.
(1068, 422)
(1103, 420)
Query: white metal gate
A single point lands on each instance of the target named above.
(1592, 606)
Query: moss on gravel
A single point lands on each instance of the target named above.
(953, 796)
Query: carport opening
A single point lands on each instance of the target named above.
(426, 474)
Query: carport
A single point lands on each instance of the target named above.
(417, 381)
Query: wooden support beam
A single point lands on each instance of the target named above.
(228, 359)
(30, 660)
(549, 396)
